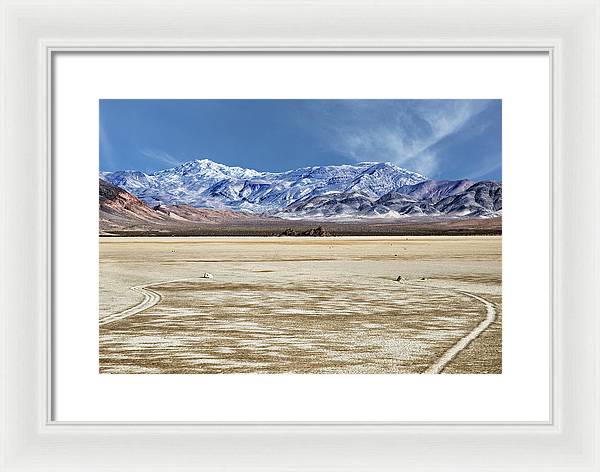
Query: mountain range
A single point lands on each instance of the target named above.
(364, 190)
(121, 210)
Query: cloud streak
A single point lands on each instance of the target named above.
(404, 132)
(107, 151)
(441, 139)
(160, 156)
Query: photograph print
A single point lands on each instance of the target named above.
(262, 236)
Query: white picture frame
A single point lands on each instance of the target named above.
(33, 31)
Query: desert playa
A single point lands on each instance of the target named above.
(381, 305)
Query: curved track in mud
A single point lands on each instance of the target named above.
(152, 298)
(463, 342)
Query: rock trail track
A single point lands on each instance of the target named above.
(152, 298)
(438, 366)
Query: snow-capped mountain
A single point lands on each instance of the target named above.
(120, 210)
(432, 198)
(364, 190)
(204, 183)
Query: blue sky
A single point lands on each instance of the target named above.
(442, 139)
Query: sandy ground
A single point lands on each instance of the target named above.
(300, 305)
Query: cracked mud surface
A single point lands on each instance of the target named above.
(298, 305)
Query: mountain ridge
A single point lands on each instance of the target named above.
(362, 190)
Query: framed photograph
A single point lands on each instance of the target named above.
(310, 266)
(290, 236)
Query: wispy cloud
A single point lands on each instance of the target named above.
(160, 156)
(401, 131)
(485, 170)
(107, 153)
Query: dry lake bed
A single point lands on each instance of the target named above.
(301, 305)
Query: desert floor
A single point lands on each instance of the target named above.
(301, 305)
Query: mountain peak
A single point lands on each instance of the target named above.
(209, 184)
(206, 163)
(201, 163)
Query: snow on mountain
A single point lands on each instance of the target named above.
(120, 210)
(482, 199)
(364, 190)
(435, 190)
(204, 183)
